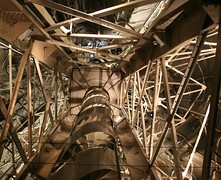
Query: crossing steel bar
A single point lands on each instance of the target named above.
(142, 117)
(154, 108)
(214, 108)
(173, 128)
(104, 12)
(189, 70)
(85, 16)
(13, 133)
(42, 86)
(11, 108)
(142, 91)
(29, 93)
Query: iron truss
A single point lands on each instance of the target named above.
(145, 75)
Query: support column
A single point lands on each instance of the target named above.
(214, 108)
(176, 153)
(189, 70)
(9, 118)
(29, 107)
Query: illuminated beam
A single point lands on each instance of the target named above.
(40, 77)
(85, 16)
(47, 111)
(10, 70)
(8, 120)
(174, 36)
(189, 70)
(184, 173)
(142, 116)
(105, 12)
(107, 47)
(181, 73)
(99, 54)
(213, 117)
(13, 132)
(33, 19)
(29, 110)
(114, 46)
(97, 36)
(176, 153)
(141, 93)
(50, 20)
(155, 104)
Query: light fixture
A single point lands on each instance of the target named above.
(65, 30)
(25, 34)
(158, 41)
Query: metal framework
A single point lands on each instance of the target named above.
(138, 106)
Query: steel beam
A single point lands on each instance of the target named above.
(191, 106)
(13, 132)
(189, 70)
(154, 108)
(29, 108)
(42, 86)
(105, 12)
(133, 102)
(43, 125)
(173, 128)
(100, 54)
(125, 96)
(96, 36)
(47, 111)
(142, 115)
(34, 96)
(114, 46)
(8, 120)
(10, 70)
(174, 36)
(56, 95)
(85, 16)
(181, 73)
(213, 118)
(196, 143)
(33, 19)
(142, 92)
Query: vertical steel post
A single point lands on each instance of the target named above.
(173, 128)
(142, 92)
(214, 107)
(65, 97)
(9, 118)
(47, 110)
(133, 102)
(29, 107)
(10, 69)
(56, 96)
(13, 133)
(142, 116)
(155, 101)
(189, 70)
(42, 85)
